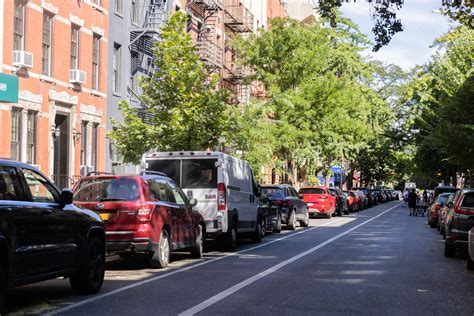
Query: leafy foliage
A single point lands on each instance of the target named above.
(185, 108)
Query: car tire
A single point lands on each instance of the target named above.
(3, 287)
(257, 235)
(90, 276)
(197, 249)
(449, 249)
(470, 263)
(305, 222)
(329, 215)
(277, 228)
(161, 258)
(292, 221)
(230, 238)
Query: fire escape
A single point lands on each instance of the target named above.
(207, 42)
(146, 19)
(237, 19)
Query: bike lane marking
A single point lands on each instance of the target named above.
(222, 295)
(161, 276)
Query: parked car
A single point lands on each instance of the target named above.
(352, 201)
(433, 214)
(398, 194)
(459, 221)
(364, 200)
(442, 189)
(443, 213)
(470, 254)
(44, 236)
(145, 213)
(371, 201)
(378, 195)
(224, 186)
(319, 200)
(360, 199)
(291, 206)
(341, 201)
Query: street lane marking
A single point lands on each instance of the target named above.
(161, 276)
(222, 295)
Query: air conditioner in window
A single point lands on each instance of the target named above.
(84, 170)
(77, 76)
(22, 59)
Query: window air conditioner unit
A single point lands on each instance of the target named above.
(22, 59)
(84, 170)
(77, 76)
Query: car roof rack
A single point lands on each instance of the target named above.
(156, 173)
(98, 173)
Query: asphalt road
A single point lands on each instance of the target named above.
(379, 261)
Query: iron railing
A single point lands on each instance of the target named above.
(210, 53)
(238, 18)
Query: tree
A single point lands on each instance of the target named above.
(386, 23)
(185, 110)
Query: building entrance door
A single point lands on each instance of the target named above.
(61, 151)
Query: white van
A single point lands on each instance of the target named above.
(227, 194)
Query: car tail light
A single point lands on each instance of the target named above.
(221, 197)
(459, 210)
(144, 212)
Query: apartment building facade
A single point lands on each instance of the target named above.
(57, 50)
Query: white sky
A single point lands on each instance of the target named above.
(420, 27)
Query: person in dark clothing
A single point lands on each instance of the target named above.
(412, 197)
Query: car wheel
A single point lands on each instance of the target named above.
(257, 235)
(90, 276)
(292, 221)
(3, 287)
(470, 263)
(329, 215)
(230, 239)
(161, 257)
(277, 228)
(449, 249)
(197, 250)
(305, 222)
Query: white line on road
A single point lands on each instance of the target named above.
(130, 286)
(220, 296)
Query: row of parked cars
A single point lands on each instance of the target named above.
(177, 202)
(452, 213)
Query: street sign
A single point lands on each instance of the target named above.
(8, 88)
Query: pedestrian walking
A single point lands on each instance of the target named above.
(412, 198)
(405, 197)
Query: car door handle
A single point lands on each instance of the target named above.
(46, 212)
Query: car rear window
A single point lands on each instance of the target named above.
(199, 174)
(272, 191)
(468, 200)
(170, 167)
(312, 191)
(107, 189)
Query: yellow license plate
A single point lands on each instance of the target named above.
(104, 216)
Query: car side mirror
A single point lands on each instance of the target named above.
(66, 197)
(301, 196)
(450, 204)
(193, 202)
(258, 191)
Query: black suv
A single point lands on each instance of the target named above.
(341, 201)
(43, 236)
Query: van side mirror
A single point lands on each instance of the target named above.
(193, 202)
(66, 197)
(258, 191)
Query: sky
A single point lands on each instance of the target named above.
(420, 28)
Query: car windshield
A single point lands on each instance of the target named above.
(442, 198)
(107, 189)
(312, 191)
(170, 167)
(272, 191)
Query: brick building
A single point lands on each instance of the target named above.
(58, 51)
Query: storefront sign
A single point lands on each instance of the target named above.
(8, 88)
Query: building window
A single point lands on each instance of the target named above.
(19, 25)
(31, 128)
(74, 47)
(47, 36)
(116, 68)
(84, 143)
(98, 2)
(95, 61)
(118, 6)
(135, 11)
(15, 147)
(94, 143)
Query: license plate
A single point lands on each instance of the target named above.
(310, 204)
(104, 216)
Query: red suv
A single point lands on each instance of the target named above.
(145, 213)
(319, 200)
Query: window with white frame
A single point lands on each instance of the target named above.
(95, 61)
(74, 46)
(47, 44)
(19, 25)
(31, 131)
(95, 145)
(116, 68)
(118, 6)
(84, 135)
(15, 145)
